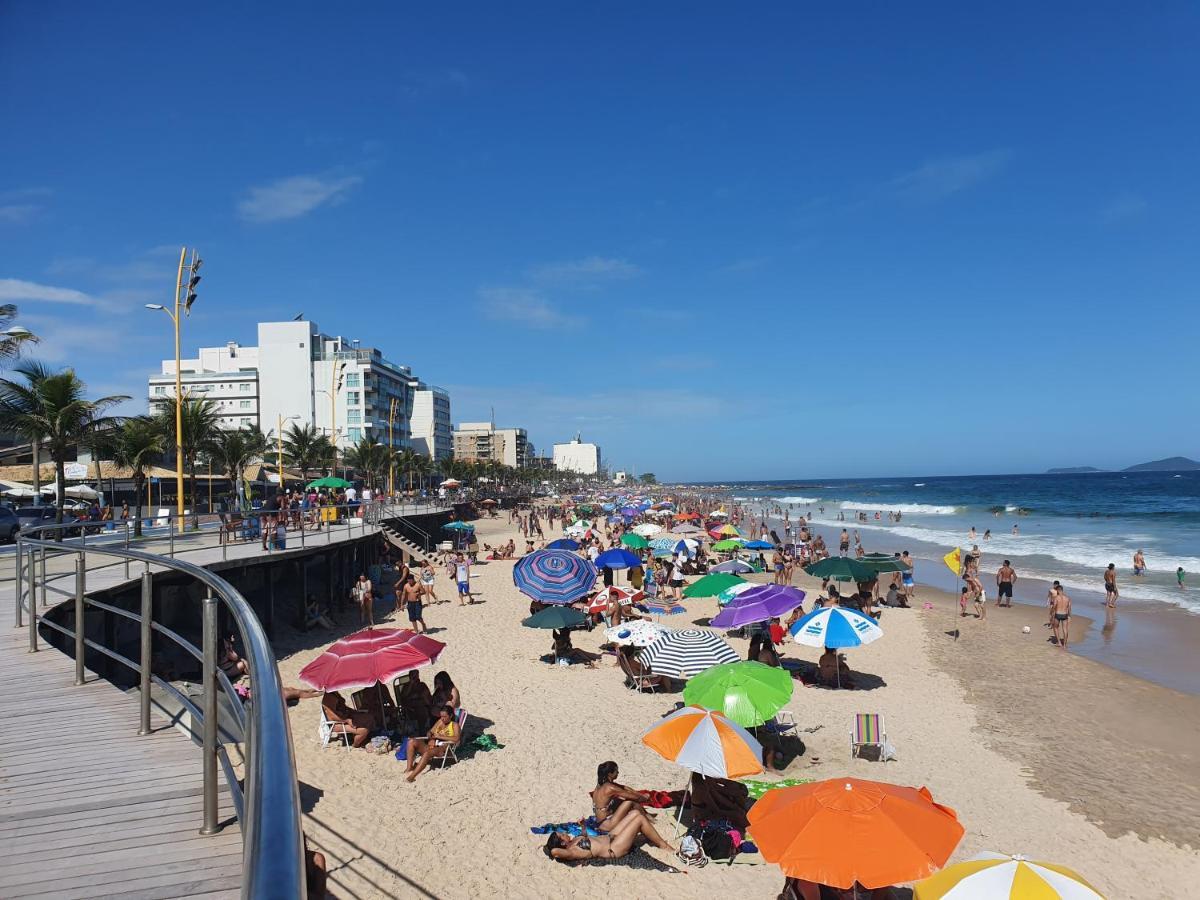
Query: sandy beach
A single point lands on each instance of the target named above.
(1039, 752)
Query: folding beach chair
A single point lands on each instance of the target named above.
(327, 731)
(452, 746)
(869, 731)
(639, 683)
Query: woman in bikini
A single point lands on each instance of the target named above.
(421, 751)
(613, 802)
(613, 846)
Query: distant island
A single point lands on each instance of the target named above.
(1170, 464)
(1073, 470)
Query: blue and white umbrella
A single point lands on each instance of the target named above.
(618, 558)
(836, 627)
(554, 576)
(734, 567)
(682, 654)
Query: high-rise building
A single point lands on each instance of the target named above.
(432, 433)
(304, 376)
(578, 457)
(484, 442)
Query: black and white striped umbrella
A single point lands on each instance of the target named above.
(682, 654)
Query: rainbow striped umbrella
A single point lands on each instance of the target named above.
(554, 576)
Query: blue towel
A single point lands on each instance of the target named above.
(571, 828)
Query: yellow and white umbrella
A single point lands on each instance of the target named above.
(994, 876)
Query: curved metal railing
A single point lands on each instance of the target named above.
(268, 806)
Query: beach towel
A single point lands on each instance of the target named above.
(571, 828)
(663, 799)
(483, 743)
(758, 788)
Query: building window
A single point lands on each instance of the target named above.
(355, 434)
(245, 404)
(352, 398)
(160, 390)
(245, 388)
(353, 416)
(352, 379)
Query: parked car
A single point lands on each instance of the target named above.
(9, 524)
(35, 516)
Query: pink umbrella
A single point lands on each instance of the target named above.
(371, 656)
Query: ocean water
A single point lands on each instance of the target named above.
(1070, 526)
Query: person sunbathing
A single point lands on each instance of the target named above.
(613, 802)
(613, 846)
(638, 668)
(442, 736)
(346, 719)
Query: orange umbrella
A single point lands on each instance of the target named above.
(848, 830)
(706, 742)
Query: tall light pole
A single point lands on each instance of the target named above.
(391, 449)
(184, 299)
(279, 446)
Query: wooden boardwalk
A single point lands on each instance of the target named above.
(87, 807)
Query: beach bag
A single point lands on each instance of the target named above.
(691, 853)
(716, 844)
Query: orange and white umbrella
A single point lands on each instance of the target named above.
(705, 742)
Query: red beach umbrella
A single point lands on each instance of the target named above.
(370, 656)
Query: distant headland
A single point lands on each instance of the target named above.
(1170, 464)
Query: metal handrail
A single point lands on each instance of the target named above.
(269, 806)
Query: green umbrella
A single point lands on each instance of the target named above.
(634, 541)
(749, 693)
(711, 585)
(727, 544)
(329, 481)
(556, 617)
(842, 568)
(882, 562)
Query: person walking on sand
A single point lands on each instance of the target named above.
(1006, 577)
(1110, 586)
(1062, 617)
(1051, 595)
(412, 602)
(365, 600)
(906, 578)
(462, 575)
(844, 543)
(428, 577)
(1139, 564)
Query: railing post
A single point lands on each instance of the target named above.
(20, 573)
(147, 613)
(126, 524)
(80, 588)
(33, 619)
(42, 558)
(209, 752)
(171, 525)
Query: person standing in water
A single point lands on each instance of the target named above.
(1110, 586)
(1139, 564)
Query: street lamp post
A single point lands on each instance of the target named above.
(185, 300)
(279, 445)
(391, 449)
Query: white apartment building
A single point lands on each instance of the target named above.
(576, 456)
(432, 433)
(484, 442)
(297, 374)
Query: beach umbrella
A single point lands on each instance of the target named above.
(882, 562)
(581, 523)
(734, 591)
(563, 544)
(727, 545)
(842, 568)
(370, 656)
(711, 585)
(635, 633)
(758, 545)
(634, 541)
(732, 567)
(617, 558)
(759, 604)
(556, 617)
(682, 654)
(836, 627)
(626, 597)
(457, 526)
(748, 693)
(630, 511)
(728, 530)
(994, 876)
(554, 576)
(704, 741)
(647, 529)
(608, 507)
(718, 514)
(846, 830)
(685, 528)
(329, 481)
(488, 502)
(450, 483)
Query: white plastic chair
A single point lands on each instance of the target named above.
(327, 730)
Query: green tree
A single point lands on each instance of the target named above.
(199, 424)
(52, 409)
(369, 457)
(647, 478)
(408, 462)
(234, 451)
(11, 345)
(305, 448)
(136, 444)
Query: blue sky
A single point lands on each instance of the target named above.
(770, 241)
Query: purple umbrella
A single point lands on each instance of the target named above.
(768, 601)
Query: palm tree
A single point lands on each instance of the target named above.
(406, 463)
(234, 451)
(199, 422)
(306, 448)
(367, 456)
(135, 444)
(14, 339)
(50, 408)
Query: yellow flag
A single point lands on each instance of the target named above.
(953, 561)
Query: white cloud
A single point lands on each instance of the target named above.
(525, 307)
(13, 290)
(587, 271)
(290, 198)
(18, 213)
(1123, 207)
(941, 178)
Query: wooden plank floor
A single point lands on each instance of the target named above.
(88, 808)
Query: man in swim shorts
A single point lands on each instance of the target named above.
(906, 577)
(1005, 577)
(1061, 611)
(1139, 563)
(1110, 586)
(844, 543)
